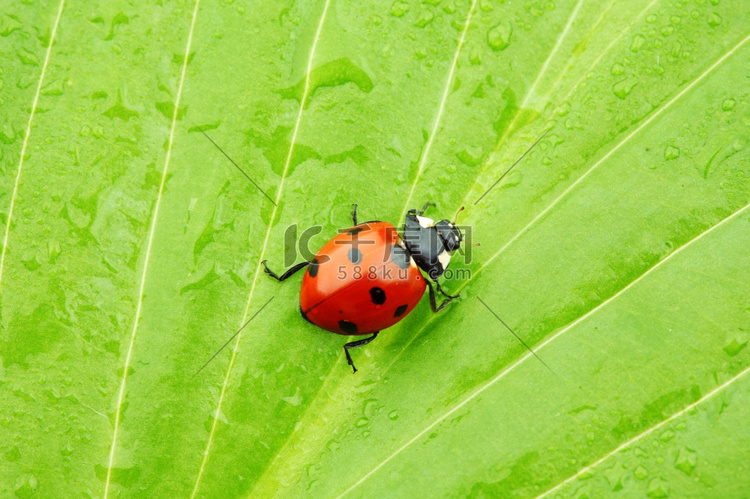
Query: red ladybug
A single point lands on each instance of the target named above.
(367, 278)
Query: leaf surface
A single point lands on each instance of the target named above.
(616, 249)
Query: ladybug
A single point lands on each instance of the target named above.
(369, 277)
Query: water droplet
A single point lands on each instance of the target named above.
(667, 30)
(640, 473)
(376, 20)
(637, 43)
(617, 69)
(424, 19)
(471, 156)
(498, 37)
(651, 18)
(180, 58)
(666, 436)
(657, 489)
(671, 152)
(393, 415)
(333, 445)
(31, 263)
(475, 57)
(563, 109)
(714, 20)
(728, 104)
(53, 250)
(361, 422)
(295, 399)
(53, 88)
(686, 461)
(399, 8)
(736, 345)
(28, 58)
(27, 487)
(119, 19)
(623, 88)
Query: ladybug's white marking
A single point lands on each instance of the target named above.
(444, 258)
(425, 222)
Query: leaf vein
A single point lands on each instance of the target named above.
(263, 249)
(441, 108)
(17, 181)
(647, 432)
(527, 355)
(149, 244)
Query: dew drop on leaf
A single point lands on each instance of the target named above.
(638, 41)
(736, 345)
(671, 152)
(714, 20)
(728, 104)
(361, 422)
(657, 489)
(424, 19)
(666, 436)
(28, 58)
(686, 461)
(498, 37)
(399, 8)
(623, 88)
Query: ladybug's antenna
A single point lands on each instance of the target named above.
(511, 167)
(514, 334)
(455, 218)
(235, 164)
(233, 336)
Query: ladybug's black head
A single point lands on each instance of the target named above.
(449, 235)
(430, 244)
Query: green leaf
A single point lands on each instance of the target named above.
(617, 248)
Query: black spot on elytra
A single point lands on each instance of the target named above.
(400, 256)
(354, 231)
(312, 269)
(400, 310)
(355, 256)
(304, 315)
(348, 327)
(377, 295)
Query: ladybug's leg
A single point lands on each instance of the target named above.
(286, 274)
(355, 344)
(424, 208)
(444, 293)
(354, 214)
(433, 302)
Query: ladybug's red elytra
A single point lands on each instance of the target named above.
(368, 277)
